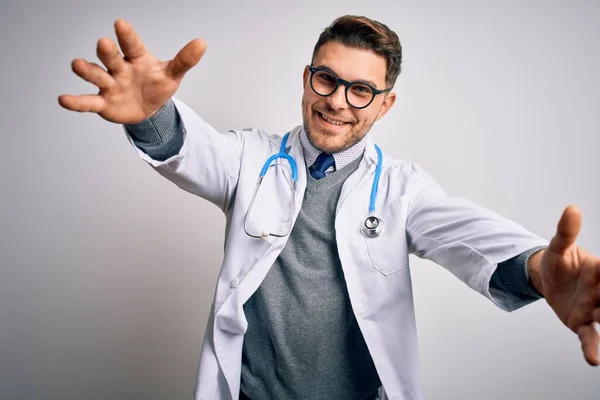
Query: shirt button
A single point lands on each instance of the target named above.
(234, 283)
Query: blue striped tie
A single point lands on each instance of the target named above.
(323, 163)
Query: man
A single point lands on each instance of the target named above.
(314, 296)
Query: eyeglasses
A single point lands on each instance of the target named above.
(358, 94)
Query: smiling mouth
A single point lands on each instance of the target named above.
(330, 120)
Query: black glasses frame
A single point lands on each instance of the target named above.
(346, 83)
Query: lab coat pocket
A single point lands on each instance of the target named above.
(388, 252)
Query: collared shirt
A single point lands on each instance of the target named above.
(342, 158)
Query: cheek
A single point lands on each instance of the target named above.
(362, 117)
(307, 102)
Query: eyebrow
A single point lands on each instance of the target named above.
(336, 74)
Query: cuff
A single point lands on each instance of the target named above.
(511, 277)
(160, 136)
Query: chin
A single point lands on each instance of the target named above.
(327, 143)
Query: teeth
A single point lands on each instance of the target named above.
(332, 121)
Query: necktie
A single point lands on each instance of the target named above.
(323, 163)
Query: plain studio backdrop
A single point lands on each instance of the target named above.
(108, 270)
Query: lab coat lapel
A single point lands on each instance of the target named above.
(365, 170)
(230, 320)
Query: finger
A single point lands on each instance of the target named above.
(83, 103)
(92, 73)
(109, 55)
(589, 343)
(131, 44)
(186, 58)
(567, 230)
(596, 315)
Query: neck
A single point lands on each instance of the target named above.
(341, 158)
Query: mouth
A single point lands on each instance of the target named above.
(330, 121)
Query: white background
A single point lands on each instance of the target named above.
(107, 269)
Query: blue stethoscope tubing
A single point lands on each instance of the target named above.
(281, 154)
(373, 226)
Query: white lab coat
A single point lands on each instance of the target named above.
(467, 240)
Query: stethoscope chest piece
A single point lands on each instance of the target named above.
(373, 226)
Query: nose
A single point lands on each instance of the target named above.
(337, 99)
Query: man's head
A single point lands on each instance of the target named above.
(355, 49)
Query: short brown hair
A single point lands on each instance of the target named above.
(365, 33)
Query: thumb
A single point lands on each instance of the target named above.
(567, 231)
(186, 58)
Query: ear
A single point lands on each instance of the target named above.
(388, 102)
(305, 76)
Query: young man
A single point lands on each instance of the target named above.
(314, 297)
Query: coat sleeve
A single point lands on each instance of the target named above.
(468, 240)
(208, 162)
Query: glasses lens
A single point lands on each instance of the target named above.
(323, 82)
(359, 95)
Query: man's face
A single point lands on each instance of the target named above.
(319, 112)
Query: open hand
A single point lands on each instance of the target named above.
(570, 279)
(134, 84)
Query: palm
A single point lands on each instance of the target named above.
(134, 85)
(571, 283)
(151, 88)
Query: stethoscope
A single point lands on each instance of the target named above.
(372, 227)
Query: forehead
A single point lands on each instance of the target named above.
(351, 63)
